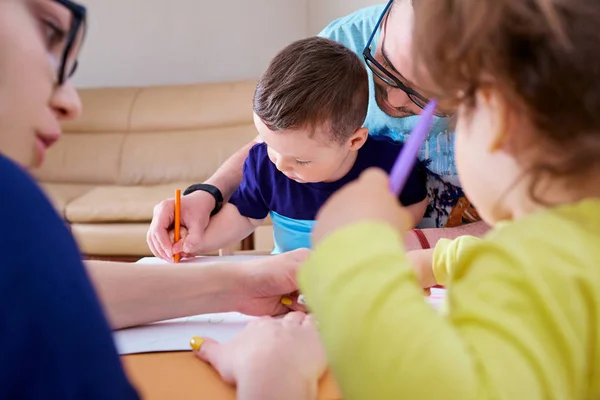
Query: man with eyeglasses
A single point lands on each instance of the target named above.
(382, 36)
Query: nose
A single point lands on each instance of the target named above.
(65, 102)
(400, 100)
(397, 97)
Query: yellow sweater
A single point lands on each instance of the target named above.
(522, 318)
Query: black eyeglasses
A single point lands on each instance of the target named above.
(68, 61)
(388, 77)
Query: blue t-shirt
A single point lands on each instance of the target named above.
(293, 206)
(448, 205)
(55, 342)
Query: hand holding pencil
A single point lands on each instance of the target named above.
(174, 236)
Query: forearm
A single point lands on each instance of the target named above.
(229, 175)
(286, 385)
(417, 211)
(225, 228)
(134, 294)
(433, 235)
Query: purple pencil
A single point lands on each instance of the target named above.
(408, 156)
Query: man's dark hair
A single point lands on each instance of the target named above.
(314, 83)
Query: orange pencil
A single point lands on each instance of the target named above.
(177, 221)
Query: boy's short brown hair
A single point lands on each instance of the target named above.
(314, 83)
(541, 56)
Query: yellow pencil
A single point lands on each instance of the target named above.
(177, 221)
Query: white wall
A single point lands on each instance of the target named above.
(153, 42)
(322, 12)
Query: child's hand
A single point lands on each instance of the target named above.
(367, 198)
(178, 247)
(422, 262)
(270, 358)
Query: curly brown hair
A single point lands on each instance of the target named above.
(314, 83)
(541, 56)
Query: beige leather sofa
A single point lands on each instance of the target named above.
(132, 148)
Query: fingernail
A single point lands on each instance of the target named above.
(196, 342)
(301, 299)
(286, 301)
(187, 248)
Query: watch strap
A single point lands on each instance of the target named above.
(212, 190)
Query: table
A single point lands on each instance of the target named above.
(182, 376)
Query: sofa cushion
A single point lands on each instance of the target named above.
(187, 107)
(61, 194)
(155, 158)
(83, 158)
(116, 239)
(152, 135)
(104, 110)
(120, 203)
(112, 239)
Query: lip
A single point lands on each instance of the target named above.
(48, 138)
(45, 140)
(295, 178)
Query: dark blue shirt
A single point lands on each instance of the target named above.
(55, 342)
(293, 206)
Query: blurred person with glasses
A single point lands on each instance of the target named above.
(55, 342)
(382, 35)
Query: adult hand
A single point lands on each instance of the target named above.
(195, 214)
(270, 358)
(268, 285)
(366, 199)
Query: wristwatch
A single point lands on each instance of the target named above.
(213, 190)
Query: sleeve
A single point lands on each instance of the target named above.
(54, 339)
(331, 31)
(249, 197)
(415, 189)
(447, 253)
(501, 338)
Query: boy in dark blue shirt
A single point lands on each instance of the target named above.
(309, 107)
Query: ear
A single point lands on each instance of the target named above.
(358, 139)
(500, 113)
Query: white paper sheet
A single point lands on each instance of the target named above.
(436, 297)
(175, 334)
(202, 259)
